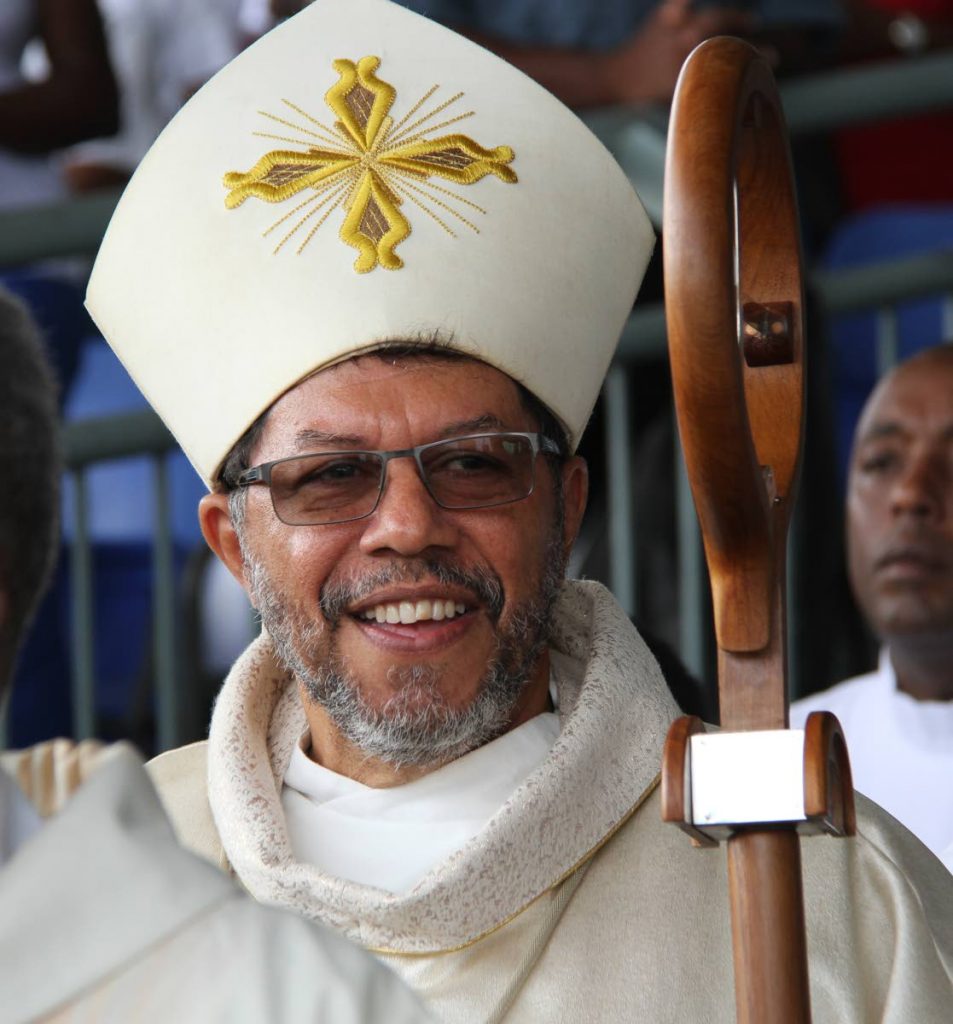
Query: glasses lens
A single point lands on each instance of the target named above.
(316, 489)
(472, 472)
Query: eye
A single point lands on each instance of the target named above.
(463, 461)
(332, 471)
(327, 472)
(877, 461)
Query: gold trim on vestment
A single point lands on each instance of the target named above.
(384, 951)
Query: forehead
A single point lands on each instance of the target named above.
(379, 399)
(914, 402)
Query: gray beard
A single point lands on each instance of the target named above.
(415, 726)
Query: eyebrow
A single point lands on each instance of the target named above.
(310, 437)
(890, 429)
(485, 422)
(879, 431)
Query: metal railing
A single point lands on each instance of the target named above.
(880, 287)
(820, 102)
(89, 443)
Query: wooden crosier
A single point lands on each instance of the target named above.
(734, 306)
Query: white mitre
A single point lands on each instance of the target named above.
(362, 175)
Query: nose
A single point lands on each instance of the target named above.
(407, 520)
(921, 490)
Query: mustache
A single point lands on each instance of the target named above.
(337, 596)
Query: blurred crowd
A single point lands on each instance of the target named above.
(87, 85)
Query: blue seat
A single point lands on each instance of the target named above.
(872, 237)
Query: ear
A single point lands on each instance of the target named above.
(575, 474)
(220, 535)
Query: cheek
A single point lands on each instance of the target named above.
(517, 554)
(865, 518)
(859, 532)
(304, 559)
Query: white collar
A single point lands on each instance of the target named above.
(390, 838)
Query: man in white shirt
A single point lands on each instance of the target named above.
(372, 278)
(898, 720)
(104, 917)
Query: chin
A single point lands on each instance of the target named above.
(902, 625)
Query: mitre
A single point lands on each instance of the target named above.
(361, 175)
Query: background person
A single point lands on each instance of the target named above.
(161, 52)
(73, 99)
(899, 719)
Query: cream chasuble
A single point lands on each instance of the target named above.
(573, 902)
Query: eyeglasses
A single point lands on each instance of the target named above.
(477, 471)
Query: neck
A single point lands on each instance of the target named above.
(334, 751)
(924, 666)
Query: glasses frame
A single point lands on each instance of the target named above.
(261, 474)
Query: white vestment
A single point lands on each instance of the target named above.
(901, 749)
(392, 837)
(574, 902)
(104, 917)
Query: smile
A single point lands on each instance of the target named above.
(408, 612)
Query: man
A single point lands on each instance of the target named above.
(104, 916)
(899, 719)
(437, 745)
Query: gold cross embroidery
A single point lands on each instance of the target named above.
(368, 165)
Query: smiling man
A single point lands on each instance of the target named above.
(899, 719)
(438, 745)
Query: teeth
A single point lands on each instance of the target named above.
(409, 612)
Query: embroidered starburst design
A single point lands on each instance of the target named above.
(368, 165)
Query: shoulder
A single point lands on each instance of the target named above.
(284, 967)
(50, 772)
(878, 910)
(180, 776)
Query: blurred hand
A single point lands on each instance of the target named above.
(645, 68)
(91, 177)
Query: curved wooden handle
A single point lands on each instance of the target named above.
(734, 308)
